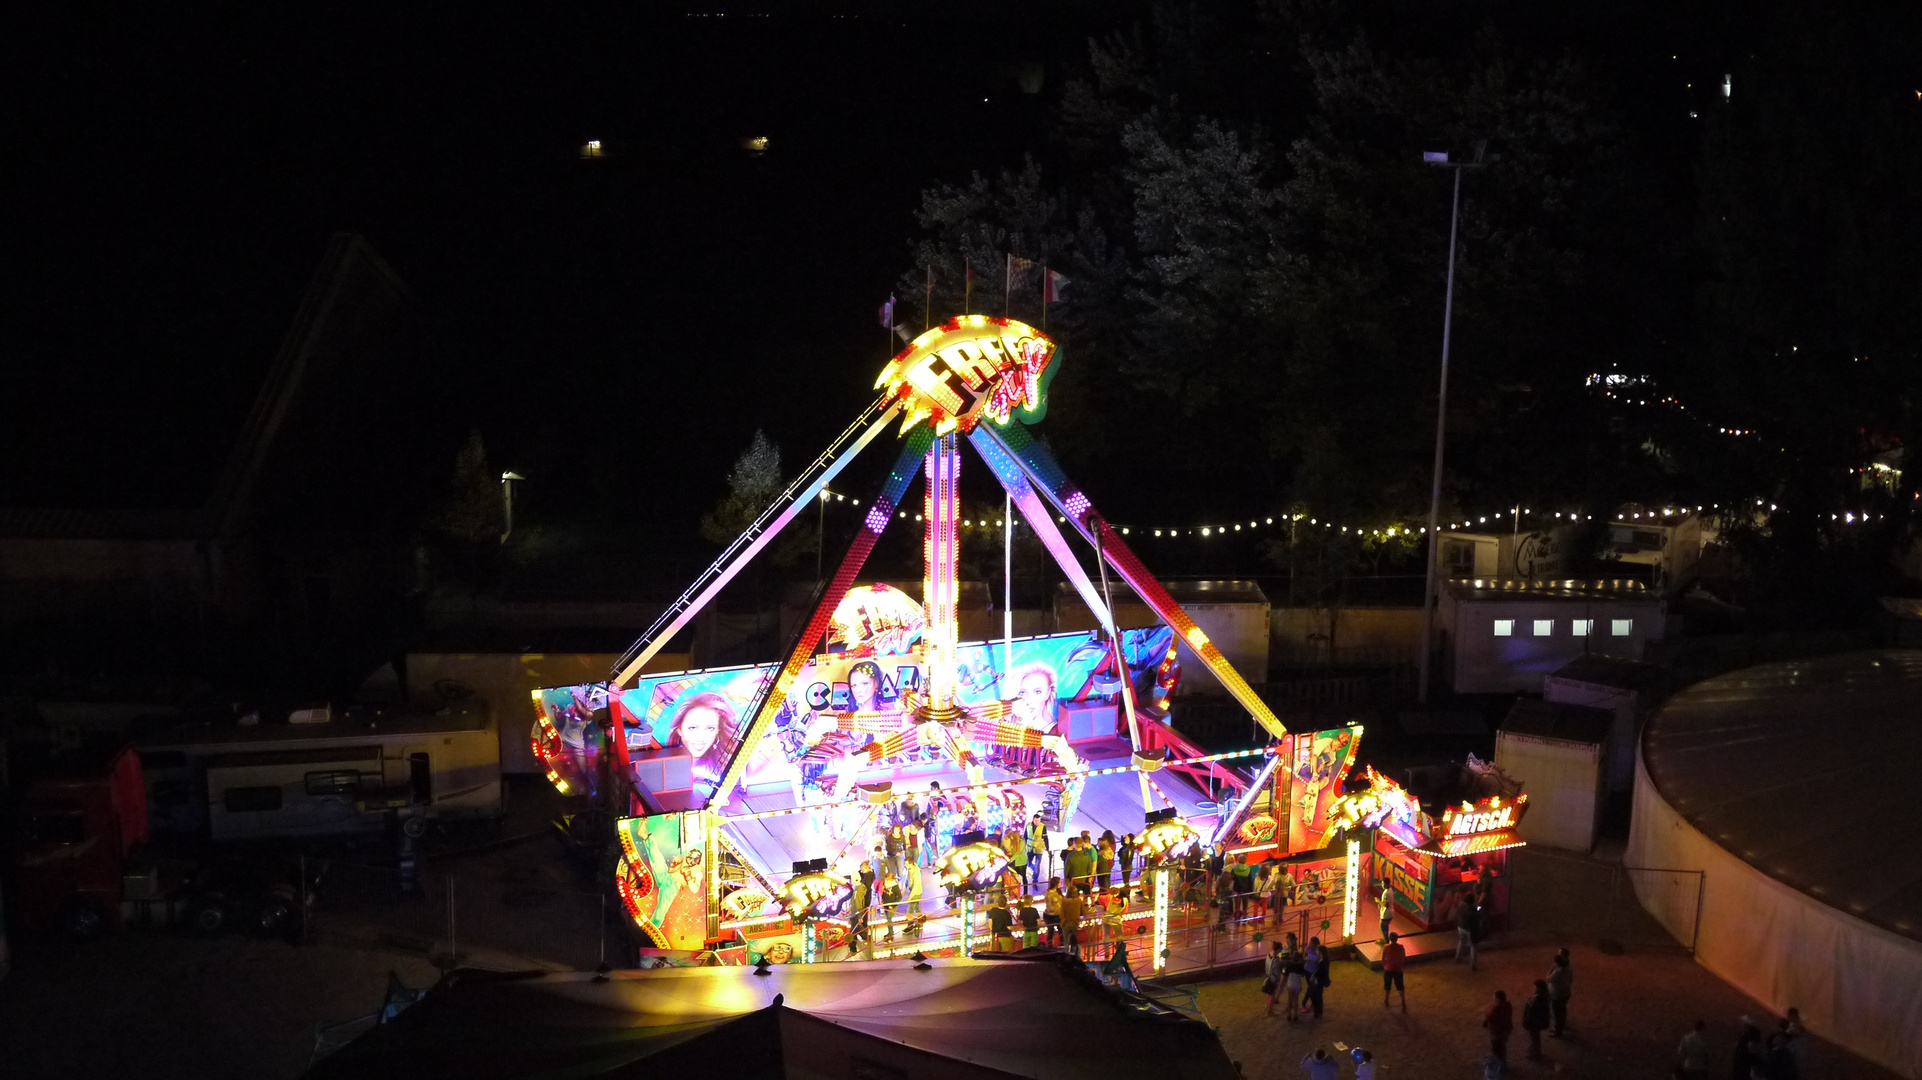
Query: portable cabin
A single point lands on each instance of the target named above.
(1504, 636)
(341, 774)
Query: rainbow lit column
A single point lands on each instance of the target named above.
(941, 583)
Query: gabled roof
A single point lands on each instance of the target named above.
(336, 353)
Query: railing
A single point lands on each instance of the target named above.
(1200, 939)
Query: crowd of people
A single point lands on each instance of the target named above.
(1080, 891)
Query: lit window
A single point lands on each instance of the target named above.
(1620, 627)
(1504, 627)
(1544, 627)
(1581, 627)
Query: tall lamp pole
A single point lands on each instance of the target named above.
(1441, 420)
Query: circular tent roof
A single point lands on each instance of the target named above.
(1810, 771)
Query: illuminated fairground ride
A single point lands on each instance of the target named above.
(724, 779)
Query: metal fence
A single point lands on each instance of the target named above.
(448, 914)
(1571, 897)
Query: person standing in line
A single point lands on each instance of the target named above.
(1125, 861)
(1224, 898)
(1030, 923)
(1051, 912)
(1071, 910)
(1321, 1066)
(1037, 848)
(1385, 907)
(1561, 986)
(1104, 853)
(1500, 1022)
(1535, 1018)
(1000, 925)
(1079, 859)
(1314, 973)
(1394, 957)
(1015, 843)
(1244, 884)
(1466, 929)
(1281, 886)
(1691, 1057)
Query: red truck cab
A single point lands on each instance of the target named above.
(79, 825)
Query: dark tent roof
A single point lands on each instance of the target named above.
(1554, 720)
(1809, 770)
(1644, 679)
(1044, 1016)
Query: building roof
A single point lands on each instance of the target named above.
(69, 523)
(1553, 720)
(1567, 589)
(1040, 1016)
(1807, 770)
(358, 721)
(1206, 591)
(1614, 671)
(1902, 607)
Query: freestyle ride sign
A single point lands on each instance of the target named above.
(968, 367)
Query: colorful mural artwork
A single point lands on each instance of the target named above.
(682, 727)
(662, 877)
(1320, 763)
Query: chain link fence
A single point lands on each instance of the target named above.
(1571, 897)
(447, 912)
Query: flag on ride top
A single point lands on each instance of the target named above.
(1052, 286)
(887, 313)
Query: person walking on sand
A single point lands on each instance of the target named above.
(1314, 973)
(1561, 986)
(1272, 969)
(1500, 1022)
(1691, 1057)
(1394, 957)
(1467, 929)
(1798, 1040)
(1294, 979)
(1535, 1013)
(1320, 1065)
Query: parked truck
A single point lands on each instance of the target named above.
(217, 796)
(81, 829)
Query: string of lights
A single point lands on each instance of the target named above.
(1513, 517)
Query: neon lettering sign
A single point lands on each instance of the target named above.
(969, 367)
(1476, 819)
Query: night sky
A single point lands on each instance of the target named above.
(616, 328)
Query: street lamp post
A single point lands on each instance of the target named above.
(1441, 419)
(507, 503)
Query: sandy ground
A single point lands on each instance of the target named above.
(164, 1005)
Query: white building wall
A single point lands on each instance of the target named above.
(1564, 785)
(1483, 660)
